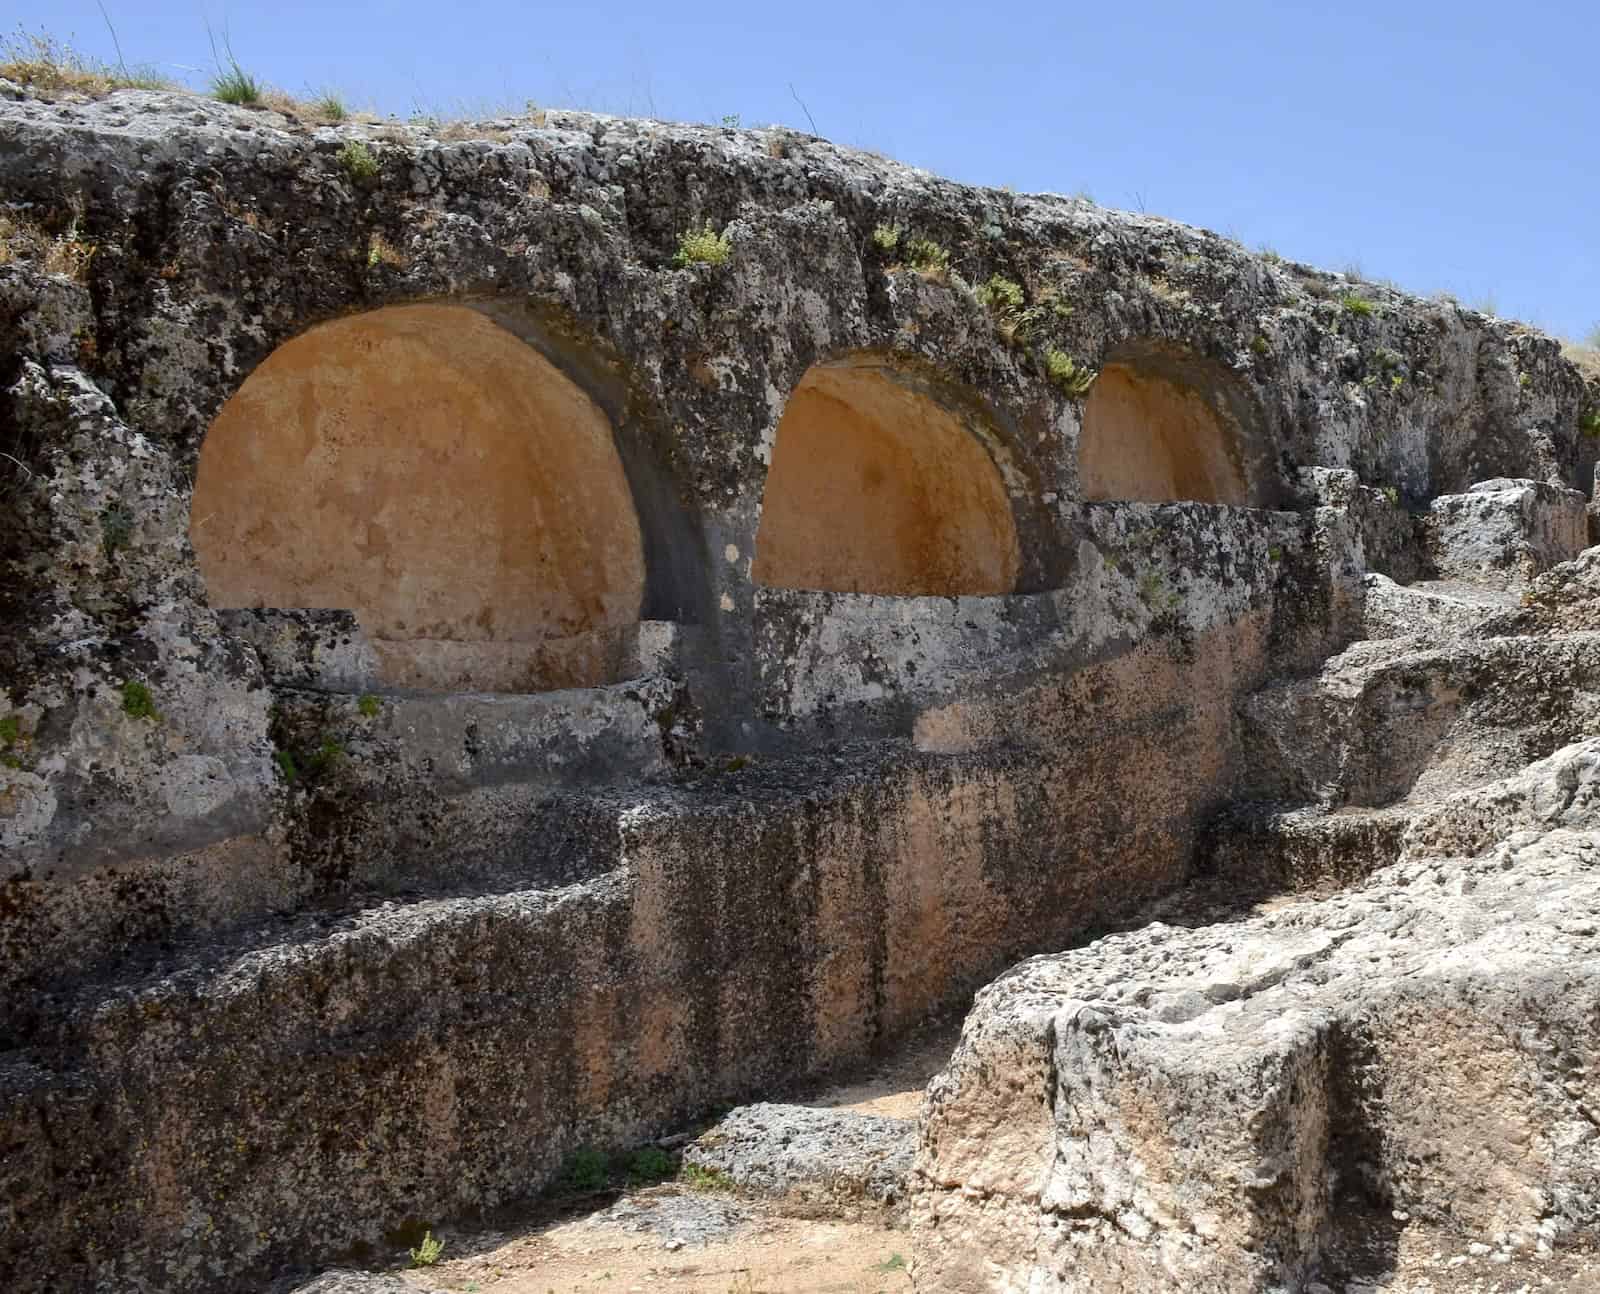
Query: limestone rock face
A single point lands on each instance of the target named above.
(1184, 1109)
(577, 792)
(1203, 1109)
(1512, 530)
(1565, 599)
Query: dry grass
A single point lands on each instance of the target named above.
(380, 251)
(456, 132)
(64, 254)
(40, 62)
(1587, 358)
(47, 65)
(1165, 290)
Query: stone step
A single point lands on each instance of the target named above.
(1435, 609)
(802, 1150)
(1251, 846)
(1403, 719)
(1506, 531)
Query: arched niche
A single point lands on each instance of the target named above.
(1162, 425)
(426, 469)
(876, 486)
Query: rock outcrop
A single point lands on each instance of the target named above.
(1225, 1105)
(577, 793)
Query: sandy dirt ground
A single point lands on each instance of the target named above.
(676, 1237)
(681, 1238)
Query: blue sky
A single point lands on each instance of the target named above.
(1445, 146)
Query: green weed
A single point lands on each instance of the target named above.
(137, 701)
(1066, 374)
(116, 527)
(586, 1170)
(427, 1253)
(702, 246)
(999, 295)
(928, 258)
(358, 161)
(704, 1179)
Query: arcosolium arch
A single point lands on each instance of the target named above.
(877, 486)
(1162, 424)
(430, 471)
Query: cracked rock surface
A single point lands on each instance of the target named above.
(1213, 1108)
(784, 1149)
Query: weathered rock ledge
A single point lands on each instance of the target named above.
(1207, 1108)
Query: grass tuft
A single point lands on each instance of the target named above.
(380, 251)
(235, 85)
(41, 63)
(1585, 357)
(1356, 305)
(63, 254)
(328, 106)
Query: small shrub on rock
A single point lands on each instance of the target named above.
(703, 246)
(705, 1179)
(585, 1171)
(929, 259)
(650, 1164)
(1067, 374)
(1000, 295)
(358, 161)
